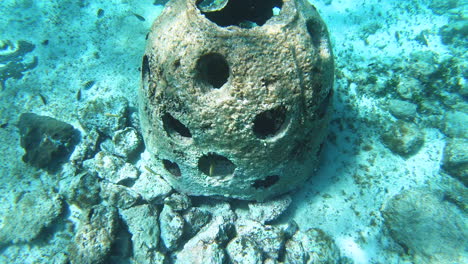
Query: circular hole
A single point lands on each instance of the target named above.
(268, 123)
(315, 30)
(213, 69)
(268, 181)
(177, 64)
(216, 165)
(145, 71)
(241, 13)
(171, 167)
(175, 127)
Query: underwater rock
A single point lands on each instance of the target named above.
(87, 148)
(195, 218)
(455, 31)
(48, 142)
(270, 210)
(268, 237)
(294, 252)
(218, 122)
(402, 109)
(207, 245)
(312, 246)
(107, 115)
(32, 212)
(403, 138)
(320, 247)
(242, 250)
(112, 168)
(119, 196)
(455, 124)
(125, 143)
(95, 236)
(455, 160)
(152, 187)
(408, 88)
(12, 61)
(441, 7)
(201, 252)
(81, 190)
(178, 202)
(172, 227)
(143, 224)
(432, 229)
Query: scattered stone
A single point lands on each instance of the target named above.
(242, 250)
(87, 148)
(195, 218)
(32, 212)
(119, 196)
(403, 138)
(107, 115)
(48, 142)
(142, 222)
(455, 160)
(125, 144)
(320, 247)
(455, 124)
(95, 236)
(270, 261)
(81, 190)
(178, 202)
(454, 32)
(172, 227)
(269, 211)
(402, 109)
(294, 252)
(269, 238)
(152, 187)
(289, 228)
(207, 246)
(220, 229)
(112, 168)
(409, 87)
(441, 7)
(201, 252)
(432, 228)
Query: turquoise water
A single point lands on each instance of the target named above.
(78, 186)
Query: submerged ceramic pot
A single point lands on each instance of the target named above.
(235, 96)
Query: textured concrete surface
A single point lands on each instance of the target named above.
(233, 104)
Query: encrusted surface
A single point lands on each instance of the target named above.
(233, 110)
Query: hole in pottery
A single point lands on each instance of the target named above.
(171, 167)
(213, 164)
(241, 13)
(265, 183)
(175, 127)
(145, 71)
(268, 123)
(315, 30)
(213, 69)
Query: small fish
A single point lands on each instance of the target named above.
(141, 18)
(150, 170)
(43, 99)
(111, 115)
(78, 95)
(100, 13)
(87, 85)
(211, 169)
